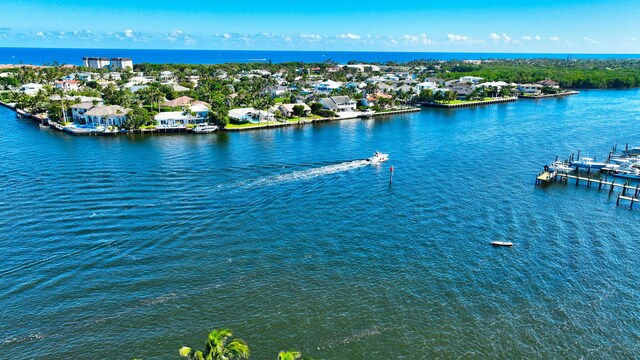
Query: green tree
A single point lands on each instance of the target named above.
(218, 347)
(315, 107)
(298, 110)
(137, 118)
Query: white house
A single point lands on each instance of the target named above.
(196, 113)
(327, 86)
(78, 111)
(338, 103)
(471, 79)
(166, 75)
(530, 89)
(426, 85)
(244, 115)
(30, 89)
(276, 91)
(106, 115)
(550, 83)
(68, 85)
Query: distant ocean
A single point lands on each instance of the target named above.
(42, 56)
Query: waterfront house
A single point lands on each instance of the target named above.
(194, 114)
(493, 84)
(78, 111)
(338, 103)
(68, 85)
(287, 109)
(249, 115)
(530, 89)
(30, 89)
(106, 115)
(461, 88)
(549, 83)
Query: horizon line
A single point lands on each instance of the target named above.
(319, 51)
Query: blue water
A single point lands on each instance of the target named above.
(133, 246)
(40, 56)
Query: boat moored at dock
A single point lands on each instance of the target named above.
(204, 129)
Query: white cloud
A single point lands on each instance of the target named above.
(421, 39)
(227, 36)
(505, 38)
(538, 37)
(349, 36)
(40, 34)
(457, 38)
(311, 37)
(591, 41)
(128, 33)
(526, 37)
(554, 38)
(463, 39)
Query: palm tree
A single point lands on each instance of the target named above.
(217, 348)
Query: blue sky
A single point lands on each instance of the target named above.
(560, 26)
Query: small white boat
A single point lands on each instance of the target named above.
(588, 163)
(501, 243)
(204, 128)
(378, 158)
(43, 126)
(561, 167)
(631, 173)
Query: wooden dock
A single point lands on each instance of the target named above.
(469, 103)
(627, 192)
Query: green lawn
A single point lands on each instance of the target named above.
(250, 125)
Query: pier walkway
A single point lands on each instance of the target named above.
(627, 192)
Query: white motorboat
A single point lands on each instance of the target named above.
(378, 158)
(627, 172)
(588, 164)
(561, 167)
(204, 128)
(501, 243)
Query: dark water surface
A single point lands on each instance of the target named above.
(132, 246)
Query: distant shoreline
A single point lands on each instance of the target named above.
(73, 56)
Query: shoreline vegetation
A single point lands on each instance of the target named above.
(243, 96)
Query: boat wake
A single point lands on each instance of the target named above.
(302, 175)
